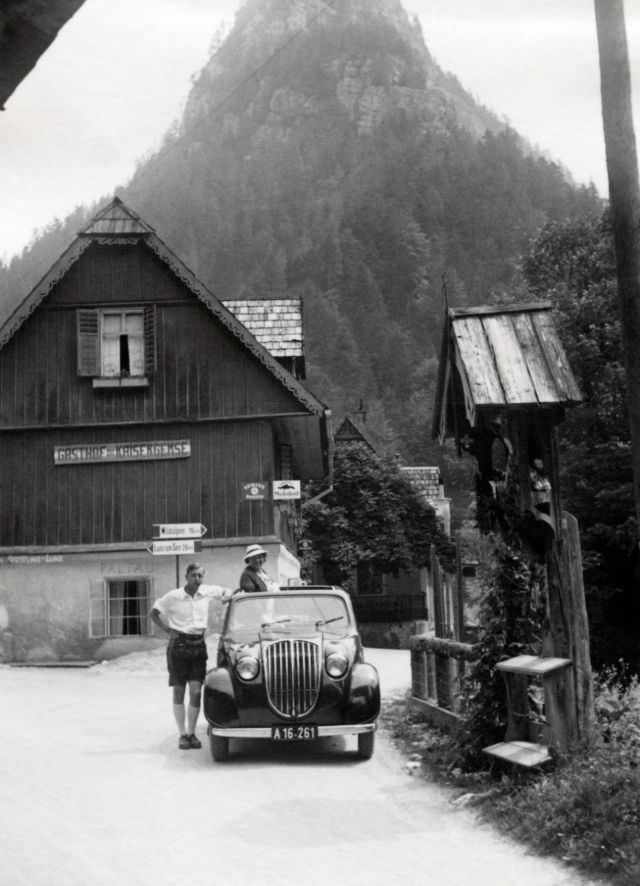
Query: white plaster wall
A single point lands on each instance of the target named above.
(44, 599)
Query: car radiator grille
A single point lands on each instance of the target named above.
(292, 676)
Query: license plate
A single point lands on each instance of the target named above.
(294, 733)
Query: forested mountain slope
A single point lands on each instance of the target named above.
(323, 153)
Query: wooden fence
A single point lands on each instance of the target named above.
(438, 659)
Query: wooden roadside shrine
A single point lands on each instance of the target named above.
(504, 384)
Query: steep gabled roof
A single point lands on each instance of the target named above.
(504, 357)
(352, 432)
(117, 224)
(116, 220)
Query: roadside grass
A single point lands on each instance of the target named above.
(584, 810)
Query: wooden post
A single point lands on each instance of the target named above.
(443, 667)
(579, 649)
(624, 195)
(458, 615)
(569, 631)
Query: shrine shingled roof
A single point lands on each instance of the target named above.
(503, 356)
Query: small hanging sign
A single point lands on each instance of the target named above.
(285, 490)
(254, 491)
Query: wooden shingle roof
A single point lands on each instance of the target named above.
(118, 220)
(505, 357)
(275, 322)
(425, 479)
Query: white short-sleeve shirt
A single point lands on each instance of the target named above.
(185, 613)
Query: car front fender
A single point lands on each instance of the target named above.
(220, 707)
(364, 694)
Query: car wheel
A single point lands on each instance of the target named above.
(366, 743)
(219, 748)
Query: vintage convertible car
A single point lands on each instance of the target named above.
(290, 669)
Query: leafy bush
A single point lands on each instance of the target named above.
(572, 264)
(373, 515)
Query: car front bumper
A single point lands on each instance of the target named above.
(265, 731)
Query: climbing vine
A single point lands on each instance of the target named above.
(511, 623)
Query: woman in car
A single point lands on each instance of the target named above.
(254, 577)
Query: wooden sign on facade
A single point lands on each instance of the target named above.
(254, 491)
(286, 490)
(107, 452)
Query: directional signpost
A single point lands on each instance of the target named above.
(175, 539)
(178, 530)
(176, 546)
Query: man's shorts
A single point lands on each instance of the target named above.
(186, 659)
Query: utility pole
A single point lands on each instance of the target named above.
(624, 197)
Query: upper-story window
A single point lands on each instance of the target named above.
(122, 344)
(115, 346)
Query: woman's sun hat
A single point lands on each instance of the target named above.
(253, 551)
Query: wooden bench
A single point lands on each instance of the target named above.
(529, 738)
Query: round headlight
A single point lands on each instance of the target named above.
(337, 664)
(247, 667)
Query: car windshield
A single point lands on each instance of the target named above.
(289, 613)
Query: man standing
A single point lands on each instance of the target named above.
(183, 614)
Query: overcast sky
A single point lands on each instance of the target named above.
(119, 72)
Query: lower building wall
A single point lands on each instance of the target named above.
(49, 602)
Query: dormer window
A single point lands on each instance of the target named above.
(116, 347)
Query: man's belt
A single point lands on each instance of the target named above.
(189, 639)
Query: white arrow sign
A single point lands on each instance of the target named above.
(178, 530)
(175, 547)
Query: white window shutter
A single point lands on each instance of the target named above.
(98, 615)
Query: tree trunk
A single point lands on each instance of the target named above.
(622, 168)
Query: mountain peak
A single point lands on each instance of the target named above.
(286, 58)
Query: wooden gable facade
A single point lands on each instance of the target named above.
(120, 346)
(131, 396)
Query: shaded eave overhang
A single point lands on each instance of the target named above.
(451, 364)
(27, 29)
